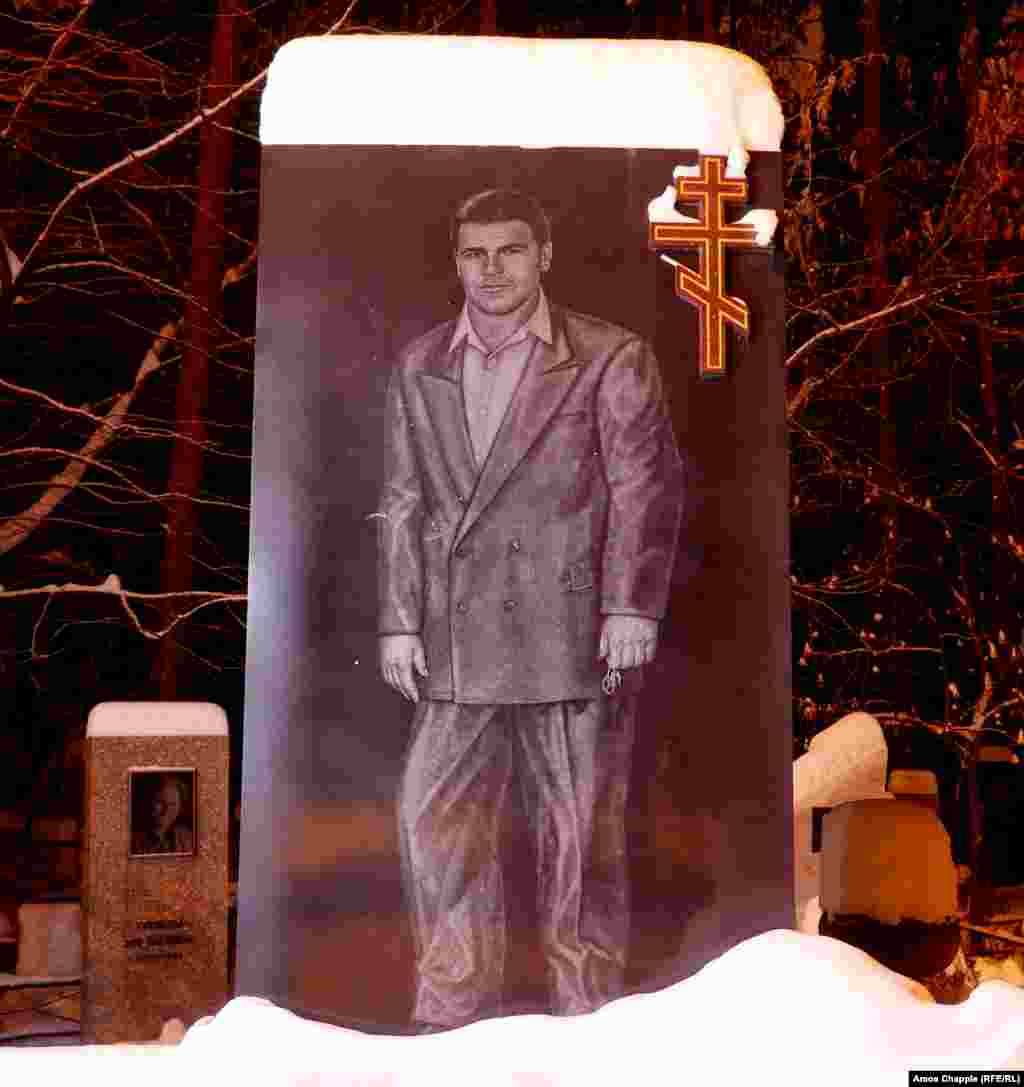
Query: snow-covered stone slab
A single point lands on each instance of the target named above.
(494, 92)
(847, 761)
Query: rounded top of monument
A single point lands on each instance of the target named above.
(423, 90)
(110, 719)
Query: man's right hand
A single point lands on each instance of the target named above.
(401, 656)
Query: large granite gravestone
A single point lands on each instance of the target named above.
(155, 867)
(649, 161)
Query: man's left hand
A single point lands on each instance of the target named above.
(628, 640)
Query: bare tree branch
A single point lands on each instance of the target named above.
(111, 586)
(16, 530)
(860, 322)
(57, 49)
(202, 116)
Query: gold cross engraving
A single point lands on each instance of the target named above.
(710, 190)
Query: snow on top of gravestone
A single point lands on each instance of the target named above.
(156, 719)
(847, 761)
(517, 92)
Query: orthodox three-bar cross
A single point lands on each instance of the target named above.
(710, 190)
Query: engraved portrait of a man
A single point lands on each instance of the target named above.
(162, 816)
(528, 526)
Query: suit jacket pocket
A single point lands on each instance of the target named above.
(578, 577)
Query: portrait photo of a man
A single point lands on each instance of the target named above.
(528, 529)
(162, 812)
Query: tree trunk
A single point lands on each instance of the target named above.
(998, 622)
(880, 375)
(200, 334)
(710, 14)
(489, 17)
(876, 213)
(669, 21)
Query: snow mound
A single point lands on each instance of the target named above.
(801, 1009)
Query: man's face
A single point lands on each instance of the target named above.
(500, 265)
(166, 806)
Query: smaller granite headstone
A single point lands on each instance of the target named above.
(845, 762)
(155, 867)
(889, 885)
(889, 860)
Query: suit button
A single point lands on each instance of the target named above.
(509, 605)
(462, 606)
(515, 545)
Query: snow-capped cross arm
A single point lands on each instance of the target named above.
(710, 187)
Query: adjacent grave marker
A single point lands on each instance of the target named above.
(155, 867)
(845, 762)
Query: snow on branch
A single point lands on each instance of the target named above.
(15, 530)
(860, 322)
(111, 586)
(58, 48)
(201, 117)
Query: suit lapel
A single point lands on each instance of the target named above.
(441, 385)
(550, 374)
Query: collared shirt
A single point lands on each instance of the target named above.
(490, 376)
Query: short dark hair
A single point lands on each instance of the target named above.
(502, 206)
(180, 784)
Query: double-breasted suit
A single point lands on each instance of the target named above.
(505, 571)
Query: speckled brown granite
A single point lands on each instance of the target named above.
(173, 909)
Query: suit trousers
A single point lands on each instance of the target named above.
(573, 762)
